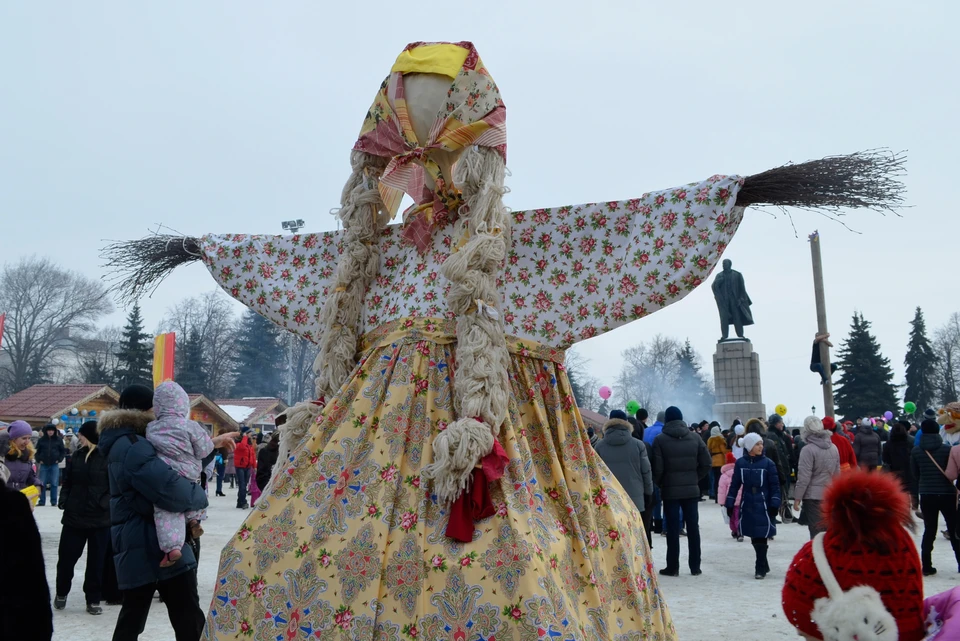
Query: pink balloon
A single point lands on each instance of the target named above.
(605, 392)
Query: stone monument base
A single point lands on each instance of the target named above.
(736, 375)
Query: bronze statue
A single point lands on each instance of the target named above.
(732, 301)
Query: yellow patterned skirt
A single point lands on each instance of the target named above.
(348, 543)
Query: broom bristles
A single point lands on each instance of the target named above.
(137, 267)
(867, 179)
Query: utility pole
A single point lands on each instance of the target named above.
(828, 407)
(292, 226)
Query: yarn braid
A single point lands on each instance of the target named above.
(481, 380)
(364, 216)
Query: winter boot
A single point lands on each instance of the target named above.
(60, 602)
(171, 558)
(762, 567)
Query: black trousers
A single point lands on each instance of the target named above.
(72, 542)
(716, 482)
(691, 514)
(932, 506)
(760, 547)
(111, 593)
(243, 480)
(179, 594)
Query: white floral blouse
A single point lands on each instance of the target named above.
(572, 272)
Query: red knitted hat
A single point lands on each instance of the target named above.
(731, 459)
(866, 543)
(829, 423)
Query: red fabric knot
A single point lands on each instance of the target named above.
(475, 504)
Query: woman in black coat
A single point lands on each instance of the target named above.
(896, 455)
(25, 613)
(85, 501)
(266, 459)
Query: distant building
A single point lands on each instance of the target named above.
(592, 419)
(40, 404)
(258, 412)
(211, 415)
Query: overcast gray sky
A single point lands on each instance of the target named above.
(233, 116)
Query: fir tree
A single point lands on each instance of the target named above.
(190, 372)
(692, 393)
(865, 384)
(260, 362)
(921, 365)
(135, 357)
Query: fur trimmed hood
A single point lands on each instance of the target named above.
(116, 419)
(617, 422)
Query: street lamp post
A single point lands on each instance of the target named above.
(292, 226)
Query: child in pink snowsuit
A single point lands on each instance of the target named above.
(726, 477)
(181, 444)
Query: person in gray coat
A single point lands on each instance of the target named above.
(819, 462)
(680, 460)
(627, 459)
(867, 446)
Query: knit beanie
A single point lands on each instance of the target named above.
(618, 414)
(829, 423)
(731, 459)
(866, 544)
(866, 422)
(930, 413)
(930, 426)
(89, 431)
(775, 419)
(136, 397)
(672, 414)
(811, 426)
(750, 441)
(18, 429)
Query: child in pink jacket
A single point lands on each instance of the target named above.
(942, 612)
(726, 477)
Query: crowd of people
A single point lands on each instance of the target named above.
(132, 488)
(755, 469)
(133, 492)
(832, 471)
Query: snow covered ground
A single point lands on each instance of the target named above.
(726, 602)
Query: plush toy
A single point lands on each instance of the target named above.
(949, 419)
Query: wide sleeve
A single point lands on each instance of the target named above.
(283, 278)
(577, 272)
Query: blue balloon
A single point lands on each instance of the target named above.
(93, 412)
(63, 417)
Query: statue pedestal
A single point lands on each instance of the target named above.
(736, 375)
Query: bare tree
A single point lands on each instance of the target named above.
(211, 315)
(649, 373)
(584, 386)
(946, 348)
(98, 356)
(304, 353)
(45, 306)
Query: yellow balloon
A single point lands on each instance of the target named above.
(781, 409)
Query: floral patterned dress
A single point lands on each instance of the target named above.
(348, 541)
